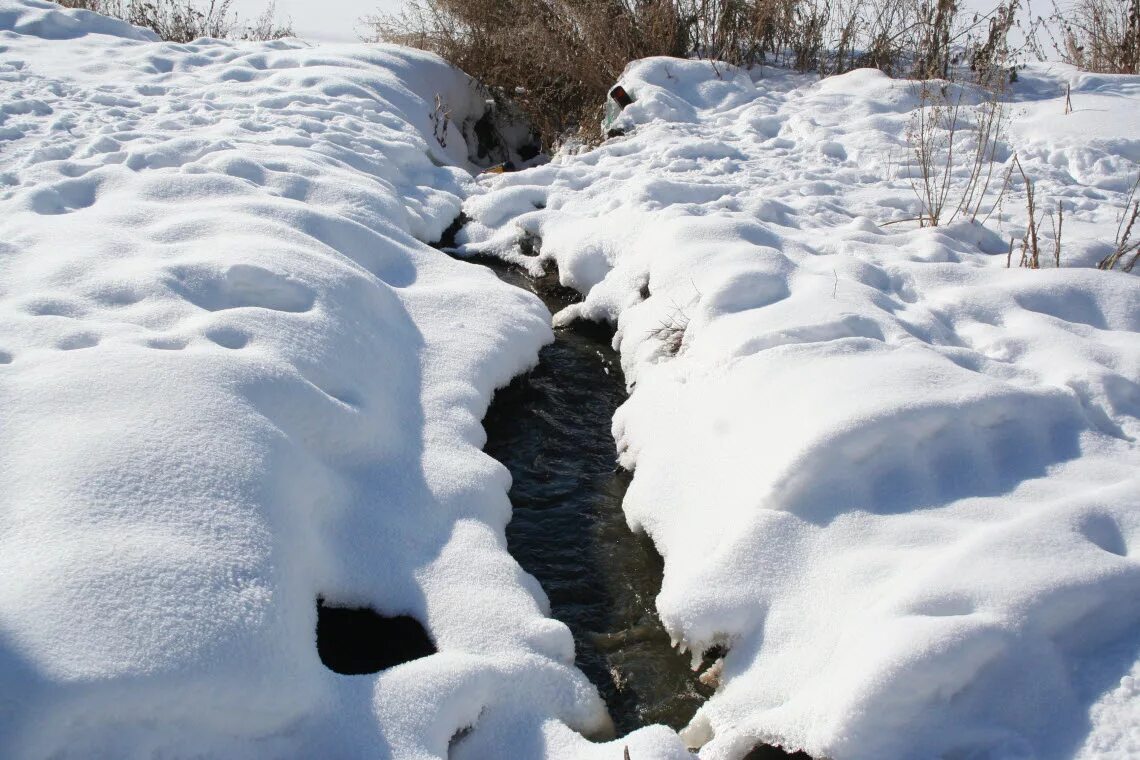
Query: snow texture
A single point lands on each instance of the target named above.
(897, 479)
(234, 378)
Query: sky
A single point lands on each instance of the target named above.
(320, 20)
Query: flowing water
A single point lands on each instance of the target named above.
(551, 428)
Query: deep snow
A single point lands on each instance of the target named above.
(233, 378)
(899, 480)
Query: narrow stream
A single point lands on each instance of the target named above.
(551, 428)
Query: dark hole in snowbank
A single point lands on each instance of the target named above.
(491, 146)
(354, 641)
(447, 239)
(457, 738)
(767, 752)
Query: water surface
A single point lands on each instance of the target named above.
(551, 428)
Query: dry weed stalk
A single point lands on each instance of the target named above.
(1057, 223)
(1124, 243)
(1031, 240)
(440, 120)
(935, 138)
(1030, 247)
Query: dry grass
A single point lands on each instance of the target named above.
(671, 331)
(184, 20)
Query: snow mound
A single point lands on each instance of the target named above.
(36, 18)
(897, 479)
(233, 380)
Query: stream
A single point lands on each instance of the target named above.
(551, 429)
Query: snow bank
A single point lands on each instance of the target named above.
(233, 378)
(899, 480)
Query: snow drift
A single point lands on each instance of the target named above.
(234, 379)
(897, 479)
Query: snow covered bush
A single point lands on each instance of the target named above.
(555, 59)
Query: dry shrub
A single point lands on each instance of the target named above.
(736, 31)
(1101, 35)
(990, 56)
(555, 59)
(953, 153)
(184, 20)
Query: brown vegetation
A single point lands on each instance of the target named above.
(184, 20)
(1101, 35)
(556, 59)
(953, 153)
(1126, 244)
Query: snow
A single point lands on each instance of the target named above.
(234, 378)
(899, 480)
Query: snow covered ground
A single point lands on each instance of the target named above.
(899, 480)
(233, 377)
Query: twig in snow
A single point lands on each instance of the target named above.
(1060, 221)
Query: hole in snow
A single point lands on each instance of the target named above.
(530, 244)
(770, 752)
(1105, 533)
(447, 239)
(354, 641)
(228, 337)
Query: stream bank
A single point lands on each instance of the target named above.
(551, 428)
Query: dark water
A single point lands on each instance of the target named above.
(551, 428)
